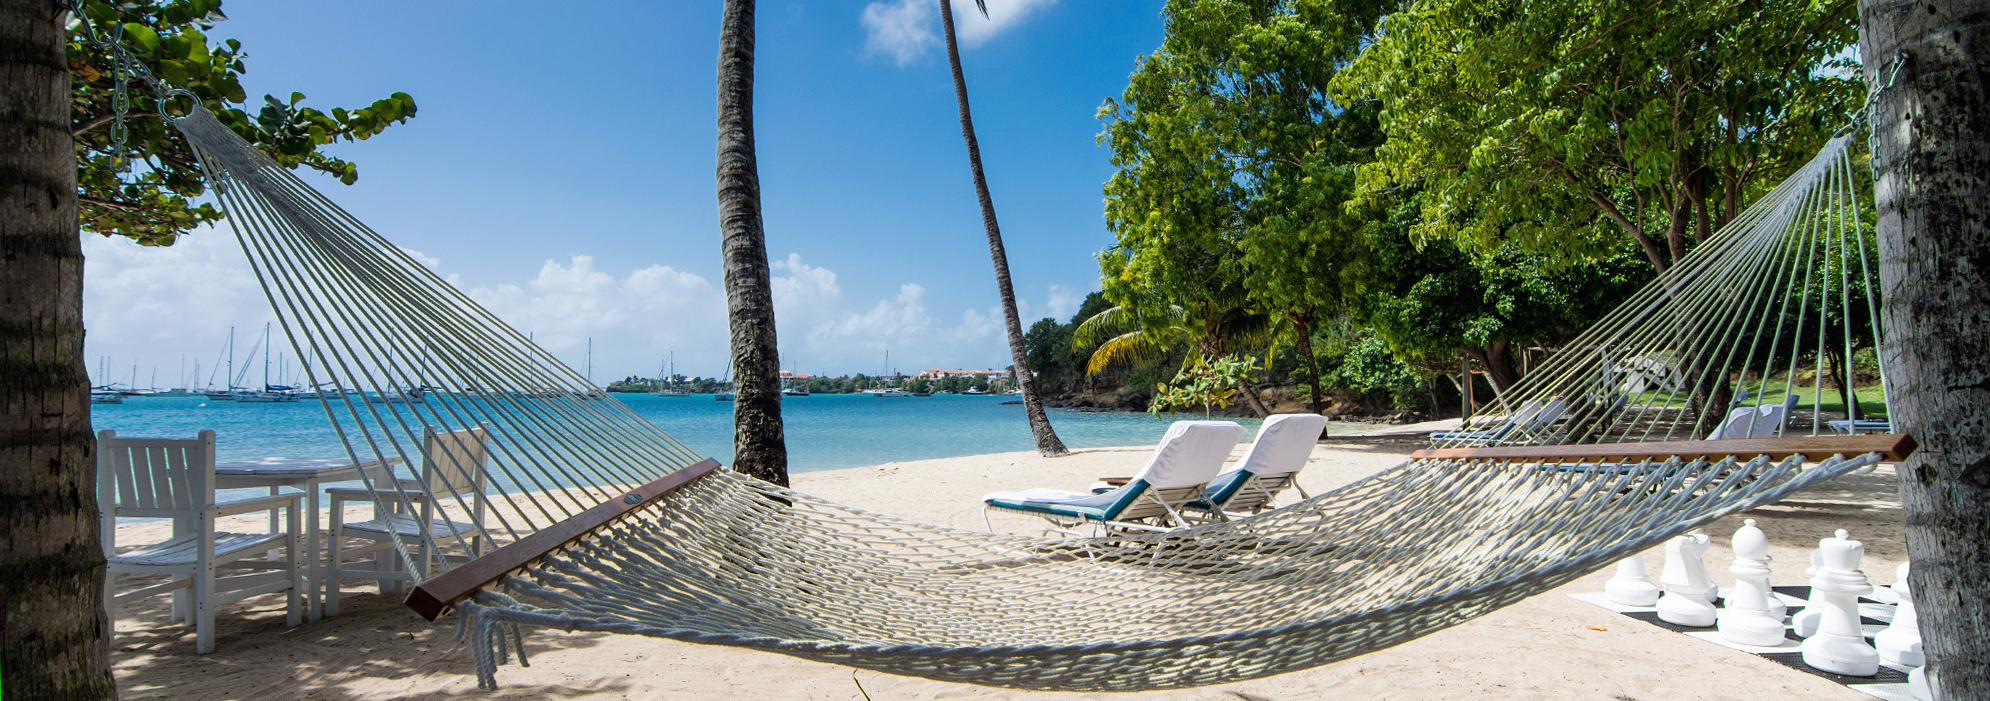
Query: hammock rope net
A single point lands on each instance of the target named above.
(730, 560)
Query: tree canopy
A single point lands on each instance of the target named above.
(153, 199)
(1538, 121)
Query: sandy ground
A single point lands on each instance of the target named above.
(1546, 647)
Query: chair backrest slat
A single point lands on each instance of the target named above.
(155, 476)
(453, 462)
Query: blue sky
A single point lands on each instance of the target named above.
(561, 165)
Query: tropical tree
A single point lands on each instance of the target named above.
(53, 635)
(1122, 336)
(1235, 165)
(1441, 299)
(1047, 441)
(759, 447)
(1537, 120)
(52, 629)
(1932, 152)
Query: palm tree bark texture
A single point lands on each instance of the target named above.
(54, 639)
(1931, 153)
(1047, 442)
(759, 447)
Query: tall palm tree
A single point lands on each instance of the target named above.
(1047, 442)
(53, 642)
(759, 447)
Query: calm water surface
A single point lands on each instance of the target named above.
(824, 432)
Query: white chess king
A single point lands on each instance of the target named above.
(1840, 646)
(1747, 618)
(1631, 586)
(1686, 583)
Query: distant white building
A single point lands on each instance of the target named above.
(938, 374)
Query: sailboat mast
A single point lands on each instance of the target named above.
(265, 357)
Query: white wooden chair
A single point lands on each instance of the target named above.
(174, 478)
(452, 484)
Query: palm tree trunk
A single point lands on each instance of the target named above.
(1304, 325)
(54, 639)
(759, 447)
(1047, 442)
(1932, 156)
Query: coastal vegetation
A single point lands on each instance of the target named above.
(1367, 198)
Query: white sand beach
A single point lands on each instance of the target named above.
(1547, 647)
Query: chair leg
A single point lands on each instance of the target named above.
(203, 611)
(110, 607)
(293, 605)
(182, 606)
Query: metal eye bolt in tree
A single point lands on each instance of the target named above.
(759, 447)
(1047, 442)
(1931, 154)
(67, 162)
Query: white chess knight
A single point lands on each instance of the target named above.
(1804, 623)
(1840, 646)
(1900, 643)
(1686, 583)
(1747, 618)
(1632, 585)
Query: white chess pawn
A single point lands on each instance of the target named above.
(1804, 623)
(1900, 643)
(1747, 619)
(1632, 585)
(1840, 646)
(1918, 685)
(1686, 583)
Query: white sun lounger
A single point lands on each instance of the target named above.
(1188, 457)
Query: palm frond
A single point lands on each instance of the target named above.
(1132, 347)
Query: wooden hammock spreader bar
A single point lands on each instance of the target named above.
(434, 598)
(1894, 447)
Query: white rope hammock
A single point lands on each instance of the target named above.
(1767, 299)
(716, 557)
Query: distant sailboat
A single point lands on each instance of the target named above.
(225, 395)
(794, 390)
(725, 394)
(669, 379)
(888, 390)
(270, 394)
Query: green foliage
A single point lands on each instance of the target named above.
(1206, 382)
(1440, 298)
(1234, 171)
(154, 201)
(1550, 123)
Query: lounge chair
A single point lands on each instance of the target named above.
(1187, 459)
(1751, 422)
(1533, 417)
(1270, 466)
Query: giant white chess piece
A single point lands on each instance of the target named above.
(1747, 619)
(1632, 585)
(1919, 686)
(1686, 583)
(1900, 643)
(1804, 623)
(1840, 646)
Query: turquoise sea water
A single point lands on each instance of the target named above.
(824, 432)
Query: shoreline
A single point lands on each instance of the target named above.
(1546, 647)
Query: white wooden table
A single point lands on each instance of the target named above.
(305, 474)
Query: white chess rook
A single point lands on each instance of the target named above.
(1686, 583)
(1631, 586)
(1804, 623)
(1840, 646)
(1747, 619)
(1900, 643)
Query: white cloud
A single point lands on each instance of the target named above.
(905, 29)
(150, 305)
